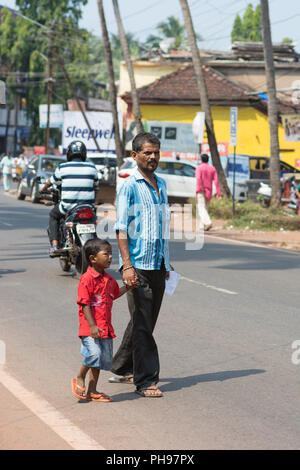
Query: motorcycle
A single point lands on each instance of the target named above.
(75, 228)
(265, 192)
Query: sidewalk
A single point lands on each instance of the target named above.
(284, 239)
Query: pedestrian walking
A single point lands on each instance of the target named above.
(142, 234)
(97, 291)
(7, 166)
(206, 176)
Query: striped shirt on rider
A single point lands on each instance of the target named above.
(76, 179)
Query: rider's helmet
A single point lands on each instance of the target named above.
(76, 149)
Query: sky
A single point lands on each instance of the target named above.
(213, 19)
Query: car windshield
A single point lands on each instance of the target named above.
(105, 161)
(50, 164)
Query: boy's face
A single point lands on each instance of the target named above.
(102, 260)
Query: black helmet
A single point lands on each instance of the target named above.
(76, 149)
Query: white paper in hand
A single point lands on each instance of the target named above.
(172, 282)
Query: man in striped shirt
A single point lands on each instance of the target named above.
(76, 178)
(142, 231)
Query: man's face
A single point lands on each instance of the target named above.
(147, 159)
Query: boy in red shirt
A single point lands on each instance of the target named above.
(96, 292)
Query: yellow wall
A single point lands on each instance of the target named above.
(253, 129)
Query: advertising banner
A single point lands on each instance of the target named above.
(101, 123)
(56, 115)
(291, 126)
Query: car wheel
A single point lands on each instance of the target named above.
(20, 195)
(35, 194)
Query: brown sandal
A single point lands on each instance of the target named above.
(146, 392)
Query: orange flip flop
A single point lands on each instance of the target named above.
(100, 397)
(74, 385)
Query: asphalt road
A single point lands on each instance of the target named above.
(228, 373)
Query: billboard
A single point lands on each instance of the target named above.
(101, 123)
(56, 115)
(176, 138)
(291, 126)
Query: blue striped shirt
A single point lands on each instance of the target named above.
(76, 179)
(146, 219)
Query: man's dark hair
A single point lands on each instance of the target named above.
(93, 246)
(204, 157)
(141, 138)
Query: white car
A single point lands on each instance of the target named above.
(106, 166)
(179, 176)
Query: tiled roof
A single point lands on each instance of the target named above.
(181, 87)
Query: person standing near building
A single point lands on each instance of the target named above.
(142, 233)
(205, 175)
(7, 165)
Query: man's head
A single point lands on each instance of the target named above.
(76, 149)
(146, 151)
(204, 158)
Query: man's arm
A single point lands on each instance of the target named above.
(217, 184)
(130, 276)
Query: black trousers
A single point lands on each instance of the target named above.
(138, 353)
(54, 220)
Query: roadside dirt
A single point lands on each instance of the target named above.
(284, 239)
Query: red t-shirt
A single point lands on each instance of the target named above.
(98, 291)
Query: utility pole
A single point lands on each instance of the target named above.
(112, 86)
(50, 81)
(272, 104)
(204, 98)
(126, 54)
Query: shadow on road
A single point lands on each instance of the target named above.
(177, 383)
(3, 272)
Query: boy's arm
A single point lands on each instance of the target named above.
(89, 318)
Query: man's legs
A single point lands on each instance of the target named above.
(138, 351)
(205, 220)
(54, 220)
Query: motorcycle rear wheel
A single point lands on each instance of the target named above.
(81, 263)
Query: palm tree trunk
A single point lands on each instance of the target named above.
(126, 54)
(112, 86)
(272, 105)
(204, 98)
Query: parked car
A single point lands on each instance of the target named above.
(106, 166)
(179, 176)
(39, 171)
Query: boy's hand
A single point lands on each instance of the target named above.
(95, 332)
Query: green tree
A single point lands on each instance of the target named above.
(172, 28)
(247, 28)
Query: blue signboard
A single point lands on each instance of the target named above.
(233, 126)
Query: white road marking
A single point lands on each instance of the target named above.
(62, 426)
(7, 224)
(219, 289)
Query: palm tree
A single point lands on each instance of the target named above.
(125, 49)
(170, 29)
(112, 85)
(204, 98)
(272, 105)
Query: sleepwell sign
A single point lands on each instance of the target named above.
(101, 124)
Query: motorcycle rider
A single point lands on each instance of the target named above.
(76, 179)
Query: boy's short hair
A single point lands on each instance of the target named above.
(93, 246)
(141, 138)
